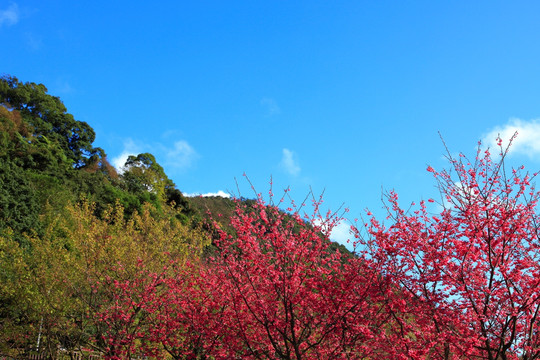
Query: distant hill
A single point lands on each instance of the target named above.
(222, 209)
(48, 160)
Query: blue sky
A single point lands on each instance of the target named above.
(343, 96)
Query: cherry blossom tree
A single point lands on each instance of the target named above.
(455, 278)
(291, 297)
(272, 290)
(471, 271)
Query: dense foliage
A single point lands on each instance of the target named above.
(58, 198)
(94, 263)
(48, 160)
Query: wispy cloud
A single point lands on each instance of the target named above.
(181, 156)
(527, 141)
(62, 86)
(33, 42)
(220, 193)
(289, 162)
(271, 106)
(9, 16)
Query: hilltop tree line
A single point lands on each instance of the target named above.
(96, 263)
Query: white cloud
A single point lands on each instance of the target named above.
(130, 148)
(9, 16)
(181, 155)
(271, 106)
(289, 162)
(527, 141)
(119, 161)
(340, 233)
(220, 193)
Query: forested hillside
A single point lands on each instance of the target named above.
(49, 160)
(70, 222)
(97, 264)
(59, 197)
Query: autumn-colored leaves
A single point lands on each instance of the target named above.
(58, 292)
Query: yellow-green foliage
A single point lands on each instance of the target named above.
(49, 290)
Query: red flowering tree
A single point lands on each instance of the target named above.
(273, 290)
(124, 319)
(459, 284)
(188, 320)
(289, 296)
(472, 272)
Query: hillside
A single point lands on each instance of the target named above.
(100, 264)
(72, 226)
(48, 160)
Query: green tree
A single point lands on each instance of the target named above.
(144, 176)
(56, 289)
(19, 207)
(48, 117)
